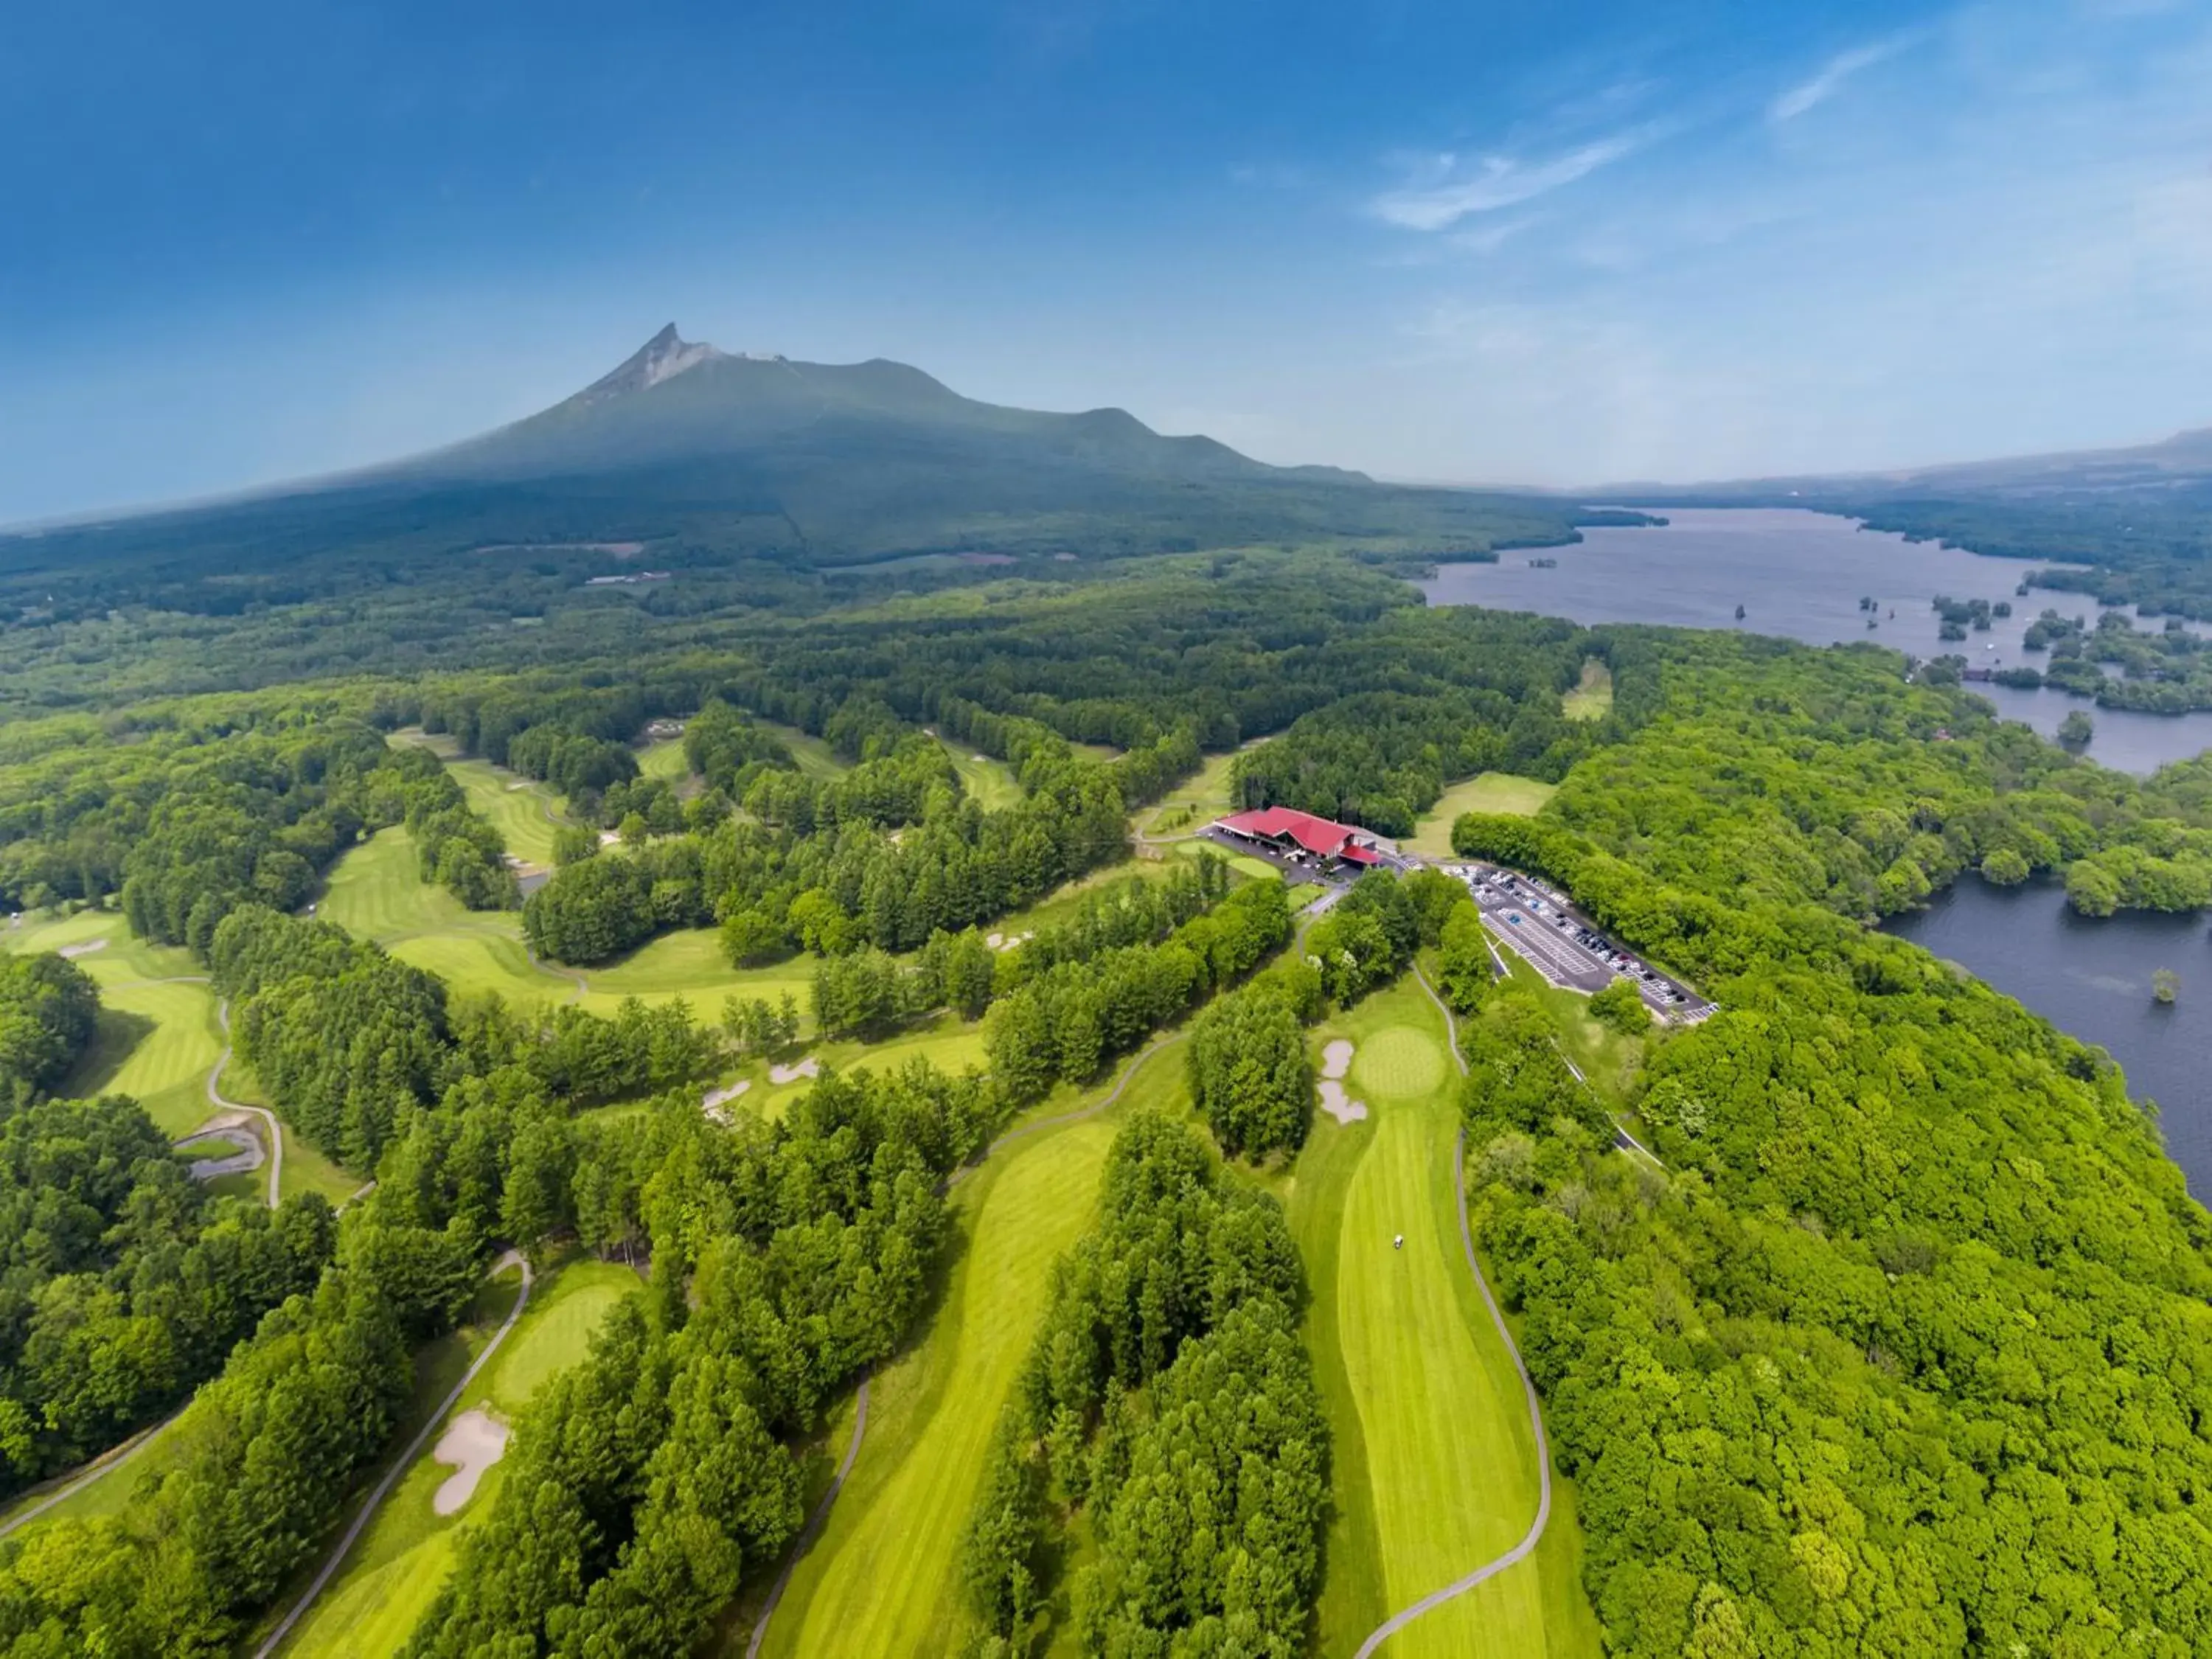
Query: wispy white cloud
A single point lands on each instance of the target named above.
(1443, 191)
(1808, 95)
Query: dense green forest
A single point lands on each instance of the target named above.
(1909, 1338)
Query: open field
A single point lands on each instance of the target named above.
(1490, 792)
(881, 1579)
(1435, 1465)
(1592, 699)
(1243, 863)
(398, 1566)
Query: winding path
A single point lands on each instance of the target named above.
(820, 1518)
(216, 1098)
(813, 1529)
(1397, 1621)
(405, 1462)
(105, 1464)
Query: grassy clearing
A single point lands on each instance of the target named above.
(665, 758)
(1592, 699)
(881, 1579)
(1435, 1464)
(374, 893)
(1194, 804)
(815, 757)
(156, 1041)
(989, 782)
(398, 1565)
(1489, 792)
(525, 812)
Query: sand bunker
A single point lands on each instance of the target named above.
(981, 760)
(717, 1098)
(471, 1444)
(71, 952)
(1335, 1062)
(809, 1067)
(1003, 942)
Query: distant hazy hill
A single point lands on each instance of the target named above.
(698, 451)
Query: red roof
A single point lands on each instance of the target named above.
(1315, 835)
(1361, 855)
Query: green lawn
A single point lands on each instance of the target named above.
(1193, 804)
(1592, 699)
(815, 757)
(525, 812)
(881, 1579)
(989, 782)
(157, 1038)
(1435, 1464)
(665, 758)
(374, 892)
(1490, 792)
(397, 1565)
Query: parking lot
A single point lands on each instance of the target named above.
(1545, 931)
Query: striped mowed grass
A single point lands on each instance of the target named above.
(1434, 1463)
(882, 1580)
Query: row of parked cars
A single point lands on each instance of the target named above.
(1543, 901)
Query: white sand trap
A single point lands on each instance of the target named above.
(520, 783)
(1004, 942)
(1340, 1105)
(718, 1098)
(981, 760)
(1336, 1059)
(809, 1067)
(471, 1444)
(71, 952)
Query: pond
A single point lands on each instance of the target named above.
(1801, 575)
(2092, 979)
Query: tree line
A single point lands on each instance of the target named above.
(1167, 1395)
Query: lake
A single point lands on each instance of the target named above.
(2091, 979)
(1801, 575)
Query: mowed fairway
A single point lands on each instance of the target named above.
(374, 893)
(1490, 792)
(1435, 1463)
(398, 1566)
(881, 1582)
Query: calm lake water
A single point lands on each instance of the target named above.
(1802, 574)
(2091, 979)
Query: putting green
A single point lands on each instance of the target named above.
(399, 1565)
(1490, 792)
(665, 758)
(1435, 1464)
(1399, 1063)
(882, 1579)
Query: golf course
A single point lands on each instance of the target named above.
(1436, 1463)
(396, 1567)
(880, 1580)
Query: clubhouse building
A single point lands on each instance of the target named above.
(1283, 832)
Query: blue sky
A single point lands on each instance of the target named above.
(1553, 243)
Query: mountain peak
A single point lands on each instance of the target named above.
(663, 357)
